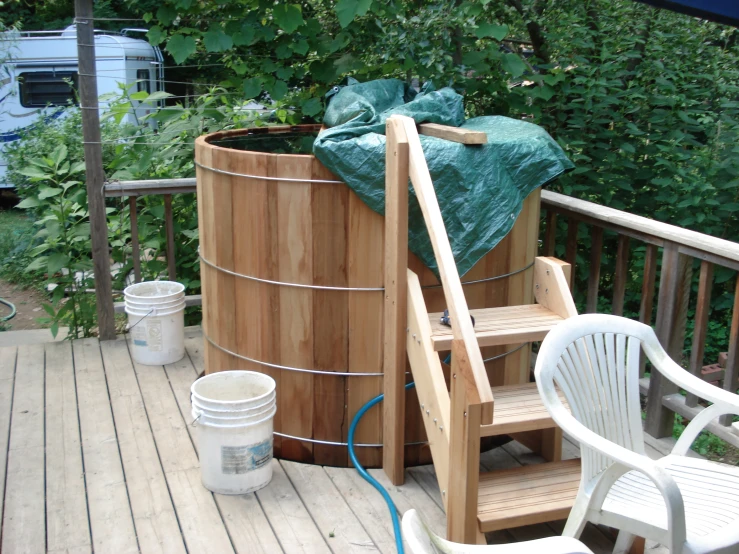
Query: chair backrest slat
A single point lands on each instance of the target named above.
(597, 369)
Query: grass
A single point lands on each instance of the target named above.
(16, 233)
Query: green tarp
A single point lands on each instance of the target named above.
(481, 189)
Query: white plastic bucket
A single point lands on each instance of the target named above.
(161, 305)
(234, 413)
(156, 321)
(154, 292)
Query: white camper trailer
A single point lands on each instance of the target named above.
(38, 67)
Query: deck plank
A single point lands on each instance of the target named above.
(338, 524)
(412, 495)
(8, 357)
(153, 513)
(199, 518)
(245, 521)
(288, 516)
(67, 523)
(24, 521)
(367, 505)
(111, 520)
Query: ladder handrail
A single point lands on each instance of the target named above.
(481, 394)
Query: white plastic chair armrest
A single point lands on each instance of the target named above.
(667, 367)
(694, 428)
(662, 480)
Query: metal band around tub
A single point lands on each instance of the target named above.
(265, 178)
(350, 289)
(288, 368)
(330, 443)
(283, 284)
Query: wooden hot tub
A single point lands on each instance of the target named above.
(292, 277)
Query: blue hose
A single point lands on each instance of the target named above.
(367, 477)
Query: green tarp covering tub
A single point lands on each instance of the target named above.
(480, 188)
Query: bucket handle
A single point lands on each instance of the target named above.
(140, 320)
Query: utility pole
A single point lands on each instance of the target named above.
(94, 167)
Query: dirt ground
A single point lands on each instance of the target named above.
(28, 305)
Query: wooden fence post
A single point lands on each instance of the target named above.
(396, 296)
(672, 312)
(94, 168)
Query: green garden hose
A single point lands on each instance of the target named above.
(12, 310)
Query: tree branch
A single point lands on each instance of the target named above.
(541, 51)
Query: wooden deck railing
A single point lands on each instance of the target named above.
(163, 187)
(679, 248)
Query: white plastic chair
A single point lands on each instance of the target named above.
(421, 540)
(690, 505)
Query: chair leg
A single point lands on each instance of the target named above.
(577, 520)
(623, 543)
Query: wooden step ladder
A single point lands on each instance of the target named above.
(461, 407)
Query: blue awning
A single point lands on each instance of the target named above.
(721, 11)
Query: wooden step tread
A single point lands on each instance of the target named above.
(498, 326)
(516, 409)
(527, 495)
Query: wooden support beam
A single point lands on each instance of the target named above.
(596, 251)
(453, 134)
(732, 362)
(464, 452)
(672, 310)
(396, 292)
(621, 275)
(94, 168)
(550, 234)
(571, 249)
(647, 295)
(453, 292)
(135, 250)
(702, 308)
(431, 385)
(169, 226)
(551, 277)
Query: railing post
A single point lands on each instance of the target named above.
(620, 277)
(596, 252)
(464, 452)
(732, 363)
(169, 227)
(396, 296)
(701, 325)
(647, 294)
(550, 234)
(672, 311)
(135, 250)
(571, 249)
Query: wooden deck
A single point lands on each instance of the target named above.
(100, 456)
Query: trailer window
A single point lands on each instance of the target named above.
(47, 88)
(142, 75)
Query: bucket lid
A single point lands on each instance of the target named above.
(204, 386)
(151, 290)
